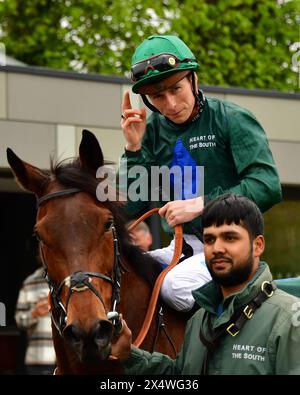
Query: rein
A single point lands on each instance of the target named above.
(158, 283)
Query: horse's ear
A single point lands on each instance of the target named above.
(29, 177)
(90, 153)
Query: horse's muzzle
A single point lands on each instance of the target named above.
(92, 346)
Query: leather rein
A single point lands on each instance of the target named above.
(80, 281)
(158, 283)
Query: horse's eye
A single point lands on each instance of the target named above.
(108, 225)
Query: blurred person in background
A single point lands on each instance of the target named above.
(141, 236)
(32, 315)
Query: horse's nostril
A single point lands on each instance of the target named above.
(72, 334)
(102, 333)
(91, 345)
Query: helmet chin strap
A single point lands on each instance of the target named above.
(194, 86)
(148, 104)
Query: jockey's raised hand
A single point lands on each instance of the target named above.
(181, 211)
(133, 123)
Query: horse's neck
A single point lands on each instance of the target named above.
(135, 296)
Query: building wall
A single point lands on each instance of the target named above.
(42, 113)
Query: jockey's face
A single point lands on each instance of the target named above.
(176, 102)
(232, 257)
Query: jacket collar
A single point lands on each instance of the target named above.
(209, 296)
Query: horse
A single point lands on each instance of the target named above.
(94, 270)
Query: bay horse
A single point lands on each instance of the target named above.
(93, 269)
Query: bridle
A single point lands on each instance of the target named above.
(82, 281)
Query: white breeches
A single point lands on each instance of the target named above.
(186, 276)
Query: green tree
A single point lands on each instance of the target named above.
(242, 42)
(86, 35)
(237, 42)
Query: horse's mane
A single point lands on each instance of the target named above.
(70, 174)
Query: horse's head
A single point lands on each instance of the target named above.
(78, 247)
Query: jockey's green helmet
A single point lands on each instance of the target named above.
(159, 57)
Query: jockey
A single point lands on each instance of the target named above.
(188, 130)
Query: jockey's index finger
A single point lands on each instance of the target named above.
(126, 104)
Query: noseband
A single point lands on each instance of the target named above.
(81, 281)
